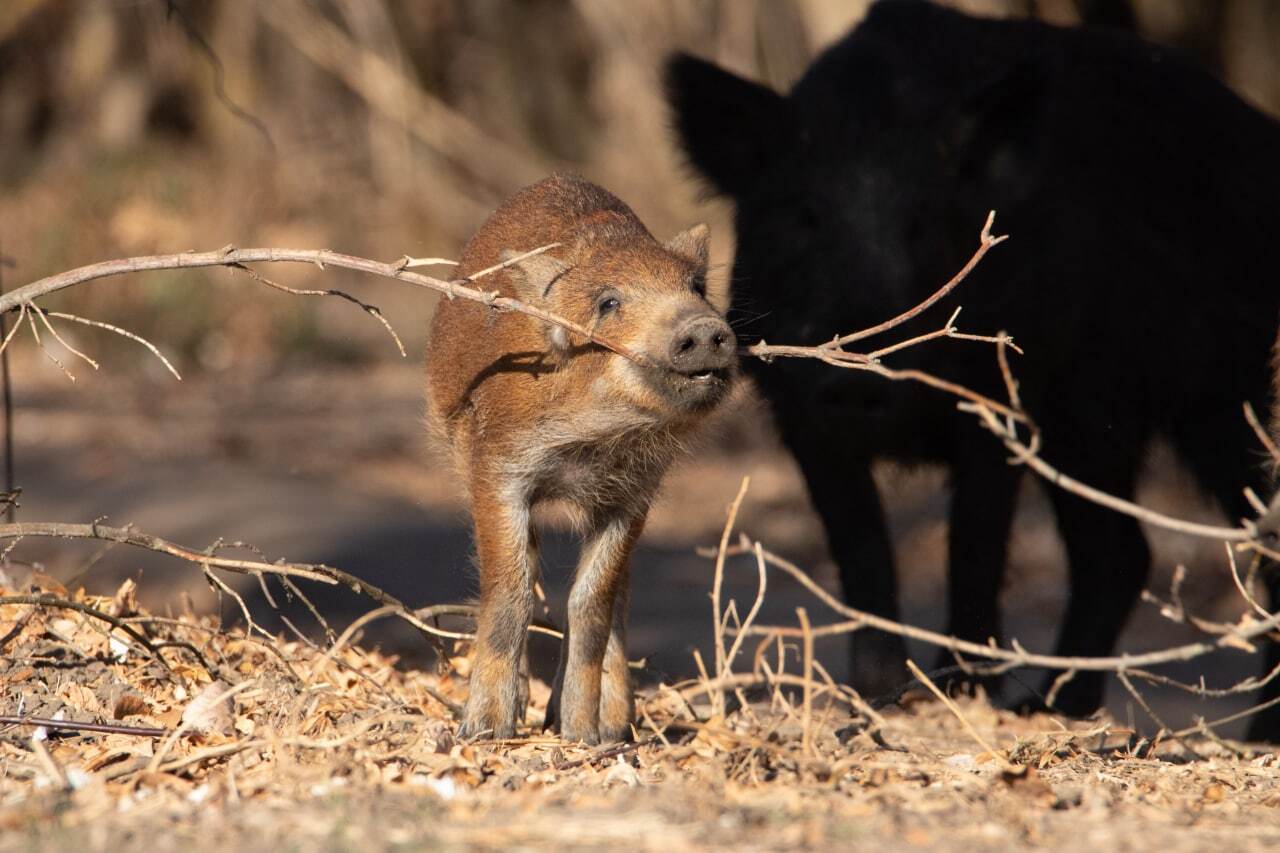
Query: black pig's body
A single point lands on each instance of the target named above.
(1141, 278)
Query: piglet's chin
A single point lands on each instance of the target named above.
(692, 393)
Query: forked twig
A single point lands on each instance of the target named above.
(985, 242)
(119, 331)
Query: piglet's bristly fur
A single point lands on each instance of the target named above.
(532, 412)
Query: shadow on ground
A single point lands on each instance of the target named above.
(357, 495)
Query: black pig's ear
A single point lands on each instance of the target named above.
(533, 276)
(693, 243)
(731, 128)
(997, 134)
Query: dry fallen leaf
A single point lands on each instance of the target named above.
(128, 705)
(1030, 785)
(125, 602)
(622, 773)
(210, 712)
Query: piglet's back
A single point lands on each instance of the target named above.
(467, 338)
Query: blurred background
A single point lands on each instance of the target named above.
(132, 127)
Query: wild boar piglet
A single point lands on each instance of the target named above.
(534, 413)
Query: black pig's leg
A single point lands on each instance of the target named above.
(1225, 455)
(845, 496)
(1109, 560)
(985, 491)
(1265, 725)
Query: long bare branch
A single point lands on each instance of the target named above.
(205, 559)
(1016, 656)
(233, 257)
(986, 409)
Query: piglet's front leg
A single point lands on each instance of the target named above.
(617, 703)
(499, 687)
(592, 700)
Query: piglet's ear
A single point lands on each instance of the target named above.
(533, 276)
(693, 243)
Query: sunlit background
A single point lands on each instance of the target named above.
(384, 129)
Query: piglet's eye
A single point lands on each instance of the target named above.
(607, 305)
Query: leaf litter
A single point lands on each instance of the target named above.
(250, 743)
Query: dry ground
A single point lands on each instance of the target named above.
(328, 465)
(343, 750)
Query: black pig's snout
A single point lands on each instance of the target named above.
(702, 344)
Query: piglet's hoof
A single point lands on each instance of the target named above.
(486, 719)
(481, 729)
(587, 736)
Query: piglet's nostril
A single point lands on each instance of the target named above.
(701, 345)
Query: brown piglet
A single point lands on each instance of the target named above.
(534, 413)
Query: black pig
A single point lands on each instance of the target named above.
(1143, 200)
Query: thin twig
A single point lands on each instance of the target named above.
(129, 536)
(1155, 718)
(806, 733)
(1230, 718)
(716, 584)
(72, 726)
(1240, 587)
(251, 627)
(40, 312)
(951, 706)
(35, 333)
(311, 571)
(123, 333)
(22, 314)
(740, 634)
(92, 612)
(1267, 442)
(1027, 455)
(372, 310)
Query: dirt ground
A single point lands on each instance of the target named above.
(330, 465)
(341, 749)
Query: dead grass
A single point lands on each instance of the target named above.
(341, 748)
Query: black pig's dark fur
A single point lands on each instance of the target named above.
(1141, 277)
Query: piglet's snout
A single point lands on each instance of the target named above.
(702, 344)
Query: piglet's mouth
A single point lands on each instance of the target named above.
(702, 374)
(693, 391)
